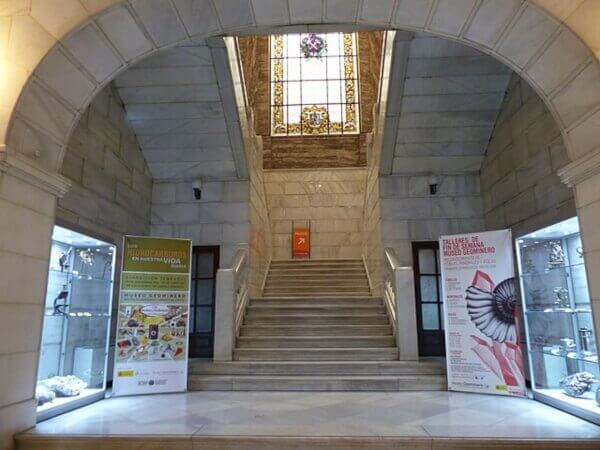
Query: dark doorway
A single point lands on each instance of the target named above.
(428, 295)
(205, 262)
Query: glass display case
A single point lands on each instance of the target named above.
(74, 346)
(562, 346)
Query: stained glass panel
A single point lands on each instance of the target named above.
(314, 84)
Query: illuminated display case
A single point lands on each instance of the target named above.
(74, 347)
(561, 340)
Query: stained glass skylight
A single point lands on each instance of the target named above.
(314, 84)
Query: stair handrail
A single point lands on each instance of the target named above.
(399, 300)
(230, 305)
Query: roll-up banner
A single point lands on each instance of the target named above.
(151, 352)
(480, 311)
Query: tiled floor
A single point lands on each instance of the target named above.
(414, 414)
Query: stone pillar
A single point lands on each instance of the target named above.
(583, 175)
(28, 196)
(406, 315)
(224, 339)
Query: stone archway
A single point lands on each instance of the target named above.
(60, 53)
(533, 42)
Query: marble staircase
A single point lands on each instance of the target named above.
(316, 328)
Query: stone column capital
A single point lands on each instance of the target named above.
(581, 169)
(27, 170)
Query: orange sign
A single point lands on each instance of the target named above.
(301, 242)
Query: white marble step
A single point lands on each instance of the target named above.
(317, 290)
(325, 281)
(333, 270)
(318, 319)
(318, 298)
(341, 302)
(302, 274)
(318, 383)
(270, 310)
(318, 368)
(277, 294)
(311, 341)
(317, 262)
(312, 354)
(316, 330)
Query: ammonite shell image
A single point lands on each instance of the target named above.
(494, 312)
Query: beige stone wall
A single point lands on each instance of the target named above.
(220, 217)
(372, 248)
(410, 213)
(519, 185)
(112, 185)
(332, 200)
(109, 197)
(27, 219)
(261, 242)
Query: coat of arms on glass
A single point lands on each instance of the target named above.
(314, 84)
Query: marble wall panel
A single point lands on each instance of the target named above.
(519, 185)
(410, 213)
(331, 199)
(111, 192)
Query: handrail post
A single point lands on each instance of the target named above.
(401, 302)
(406, 314)
(231, 300)
(224, 315)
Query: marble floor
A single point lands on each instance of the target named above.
(406, 414)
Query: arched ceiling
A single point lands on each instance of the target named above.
(180, 103)
(443, 101)
(444, 98)
(83, 44)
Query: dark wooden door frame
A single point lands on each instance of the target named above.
(426, 349)
(194, 350)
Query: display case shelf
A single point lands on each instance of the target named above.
(560, 311)
(593, 358)
(548, 270)
(77, 276)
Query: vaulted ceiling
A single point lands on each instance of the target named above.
(181, 106)
(443, 101)
(444, 98)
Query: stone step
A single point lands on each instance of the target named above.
(312, 268)
(302, 275)
(316, 330)
(317, 262)
(324, 282)
(328, 287)
(315, 341)
(333, 270)
(318, 383)
(280, 292)
(343, 302)
(318, 319)
(275, 438)
(318, 286)
(318, 298)
(319, 354)
(277, 294)
(318, 368)
(255, 311)
(318, 290)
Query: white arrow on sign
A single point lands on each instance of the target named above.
(301, 240)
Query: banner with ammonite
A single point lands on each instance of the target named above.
(481, 314)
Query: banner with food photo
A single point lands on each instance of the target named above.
(481, 314)
(152, 322)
